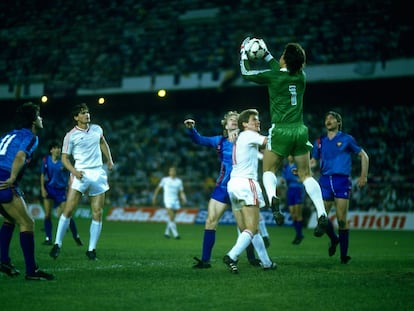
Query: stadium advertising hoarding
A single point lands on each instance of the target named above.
(357, 220)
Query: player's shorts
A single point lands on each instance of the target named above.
(243, 192)
(220, 194)
(94, 182)
(295, 196)
(175, 205)
(335, 186)
(289, 139)
(57, 195)
(6, 195)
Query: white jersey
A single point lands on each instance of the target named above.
(246, 155)
(84, 146)
(172, 188)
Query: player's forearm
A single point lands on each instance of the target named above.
(17, 165)
(68, 164)
(364, 164)
(106, 151)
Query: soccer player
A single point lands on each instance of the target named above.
(295, 197)
(286, 81)
(245, 192)
(173, 191)
(334, 152)
(16, 150)
(54, 178)
(219, 200)
(84, 144)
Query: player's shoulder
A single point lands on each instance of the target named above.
(94, 125)
(95, 128)
(71, 131)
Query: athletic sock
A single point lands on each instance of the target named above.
(28, 248)
(243, 240)
(262, 228)
(173, 227)
(6, 233)
(270, 183)
(208, 243)
(314, 191)
(261, 250)
(94, 233)
(330, 231)
(250, 252)
(73, 228)
(48, 228)
(63, 226)
(343, 242)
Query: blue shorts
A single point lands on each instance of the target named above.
(335, 186)
(220, 194)
(6, 195)
(295, 196)
(55, 194)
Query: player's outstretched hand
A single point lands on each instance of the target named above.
(243, 44)
(264, 46)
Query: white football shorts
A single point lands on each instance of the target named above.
(94, 182)
(243, 192)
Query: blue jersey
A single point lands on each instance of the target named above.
(56, 175)
(335, 155)
(224, 150)
(292, 180)
(13, 142)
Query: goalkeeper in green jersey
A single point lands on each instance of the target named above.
(286, 83)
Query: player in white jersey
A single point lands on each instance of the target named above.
(173, 191)
(84, 144)
(245, 192)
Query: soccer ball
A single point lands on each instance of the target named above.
(255, 49)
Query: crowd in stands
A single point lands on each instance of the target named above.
(93, 44)
(144, 145)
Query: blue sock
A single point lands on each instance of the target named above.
(48, 228)
(331, 232)
(73, 229)
(344, 242)
(208, 243)
(28, 248)
(6, 233)
(250, 252)
(298, 228)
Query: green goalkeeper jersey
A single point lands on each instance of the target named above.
(285, 91)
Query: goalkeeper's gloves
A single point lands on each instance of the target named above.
(243, 53)
(267, 56)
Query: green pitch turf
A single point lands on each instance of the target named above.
(139, 269)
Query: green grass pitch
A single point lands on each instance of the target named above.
(139, 269)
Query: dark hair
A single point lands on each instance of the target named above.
(244, 116)
(337, 116)
(54, 144)
(78, 108)
(26, 115)
(295, 57)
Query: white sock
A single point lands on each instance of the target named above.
(173, 227)
(63, 226)
(167, 228)
(314, 191)
(269, 183)
(94, 233)
(262, 227)
(261, 250)
(243, 240)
